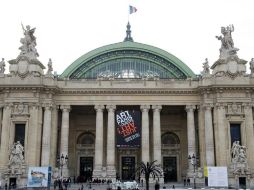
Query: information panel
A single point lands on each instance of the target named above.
(128, 128)
(217, 176)
(39, 176)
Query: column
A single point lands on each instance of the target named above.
(249, 134)
(33, 129)
(221, 139)
(45, 154)
(65, 130)
(54, 131)
(65, 137)
(209, 142)
(4, 149)
(191, 131)
(201, 135)
(145, 133)
(111, 170)
(157, 133)
(98, 141)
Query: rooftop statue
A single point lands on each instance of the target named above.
(206, 68)
(50, 67)
(2, 66)
(252, 66)
(28, 42)
(227, 43)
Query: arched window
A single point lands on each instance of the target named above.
(170, 139)
(86, 139)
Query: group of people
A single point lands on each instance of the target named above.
(186, 182)
(62, 184)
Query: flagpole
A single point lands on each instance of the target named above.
(128, 13)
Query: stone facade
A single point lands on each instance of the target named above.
(63, 116)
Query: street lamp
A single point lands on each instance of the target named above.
(194, 162)
(62, 161)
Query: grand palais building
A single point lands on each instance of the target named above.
(124, 103)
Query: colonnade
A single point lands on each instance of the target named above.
(49, 147)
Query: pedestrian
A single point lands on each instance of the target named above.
(82, 187)
(5, 186)
(173, 187)
(157, 186)
(188, 181)
(184, 182)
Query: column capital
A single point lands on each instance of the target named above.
(65, 108)
(190, 108)
(111, 107)
(220, 105)
(8, 105)
(144, 107)
(99, 107)
(156, 107)
(207, 106)
(47, 106)
(247, 105)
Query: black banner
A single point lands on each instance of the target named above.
(128, 128)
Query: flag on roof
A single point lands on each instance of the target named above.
(132, 9)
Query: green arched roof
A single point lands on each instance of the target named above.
(157, 56)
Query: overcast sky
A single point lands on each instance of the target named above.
(67, 29)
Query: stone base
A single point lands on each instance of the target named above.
(111, 173)
(99, 173)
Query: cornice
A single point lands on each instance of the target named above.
(130, 91)
(9, 88)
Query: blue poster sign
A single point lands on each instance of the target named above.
(128, 128)
(39, 176)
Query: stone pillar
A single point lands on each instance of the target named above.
(46, 136)
(222, 138)
(1, 114)
(145, 133)
(157, 133)
(209, 142)
(65, 136)
(249, 134)
(201, 135)
(4, 149)
(191, 132)
(65, 130)
(33, 129)
(111, 169)
(97, 172)
(54, 131)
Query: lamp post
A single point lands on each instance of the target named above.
(62, 161)
(194, 161)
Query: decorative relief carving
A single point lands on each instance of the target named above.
(234, 109)
(20, 109)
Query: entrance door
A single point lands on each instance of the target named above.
(128, 168)
(86, 168)
(242, 182)
(12, 184)
(170, 169)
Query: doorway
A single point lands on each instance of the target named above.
(13, 183)
(170, 169)
(128, 168)
(242, 182)
(86, 169)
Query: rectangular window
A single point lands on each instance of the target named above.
(235, 133)
(20, 133)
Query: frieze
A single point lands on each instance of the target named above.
(129, 91)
